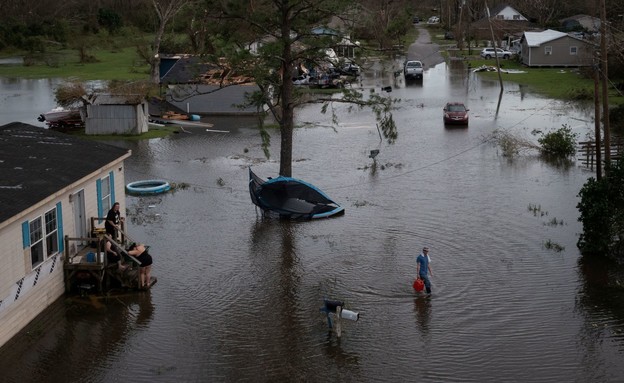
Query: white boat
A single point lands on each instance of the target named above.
(60, 114)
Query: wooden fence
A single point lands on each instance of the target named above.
(586, 152)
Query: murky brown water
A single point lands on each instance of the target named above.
(238, 296)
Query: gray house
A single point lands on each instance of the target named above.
(196, 87)
(116, 114)
(555, 49)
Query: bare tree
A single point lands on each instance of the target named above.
(165, 11)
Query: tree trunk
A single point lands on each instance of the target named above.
(155, 59)
(288, 116)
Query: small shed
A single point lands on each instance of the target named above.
(116, 114)
(555, 49)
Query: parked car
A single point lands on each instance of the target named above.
(455, 113)
(433, 20)
(488, 53)
(413, 69)
(416, 20)
(350, 68)
(448, 35)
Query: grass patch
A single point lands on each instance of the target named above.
(554, 246)
(110, 64)
(559, 83)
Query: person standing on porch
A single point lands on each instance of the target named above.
(139, 251)
(113, 221)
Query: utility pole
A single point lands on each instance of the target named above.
(597, 115)
(605, 83)
(500, 77)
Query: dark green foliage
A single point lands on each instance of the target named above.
(602, 213)
(580, 94)
(33, 36)
(616, 117)
(34, 44)
(109, 19)
(561, 142)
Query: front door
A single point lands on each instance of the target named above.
(80, 221)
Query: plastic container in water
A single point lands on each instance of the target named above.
(419, 285)
(350, 315)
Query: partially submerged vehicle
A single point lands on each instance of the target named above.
(455, 113)
(289, 197)
(413, 69)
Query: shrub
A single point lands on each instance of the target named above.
(109, 19)
(602, 213)
(561, 142)
(616, 117)
(580, 94)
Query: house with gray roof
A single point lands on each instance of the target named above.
(50, 184)
(205, 89)
(555, 49)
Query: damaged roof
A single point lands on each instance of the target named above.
(36, 163)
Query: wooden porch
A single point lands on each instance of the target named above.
(88, 270)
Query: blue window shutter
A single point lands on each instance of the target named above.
(98, 186)
(111, 177)
(59, 227)
(26, 234)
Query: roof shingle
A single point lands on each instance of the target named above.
(36, 162)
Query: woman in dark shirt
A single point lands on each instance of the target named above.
(145, 268)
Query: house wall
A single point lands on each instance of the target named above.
(560, 56)
(213, 101)
(26, 291)
(116, 119)
(508, 13)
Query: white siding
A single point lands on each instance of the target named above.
(40, 287)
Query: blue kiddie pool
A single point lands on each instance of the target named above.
(148, 187)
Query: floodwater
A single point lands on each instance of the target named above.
(238, 295)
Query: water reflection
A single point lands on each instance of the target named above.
(75, 332)
(238, 295)
(600, 302)
(336, 353)
(422, 309)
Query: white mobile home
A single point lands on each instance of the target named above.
(50, 184)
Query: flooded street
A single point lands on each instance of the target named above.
(238, 295)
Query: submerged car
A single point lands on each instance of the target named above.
(455, 113)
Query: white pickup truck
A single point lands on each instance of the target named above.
(413, 69)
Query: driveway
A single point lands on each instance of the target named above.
(422, 49)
